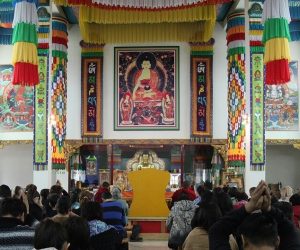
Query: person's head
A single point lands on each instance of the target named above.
(30, 188)
(56, 189)
(251, 190)
(44, 194)
(259, 231)
(224, 202)
(232, 192)
(52, 200)
(105, 184)
(241, 196)
(206, 215)
(286, 208)
(33, 196)
(63, 205)
(75, 195)
(91, 211)
(78, 184)
(50, 234)
(207, 196)
(116, 193)
(11, 207)
(200, 190)
(5, 191)
(85, 196)
(186, 184)
(208, 185)
(295, 199)
(106, 196)
(78, 233)
(17, 192)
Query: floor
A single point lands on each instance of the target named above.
(151, 242)
(149, 245)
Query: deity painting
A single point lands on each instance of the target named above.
(146, 88)
(16, 103)
(282, 103)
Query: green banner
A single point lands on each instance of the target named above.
(257, 108)
(40, 128)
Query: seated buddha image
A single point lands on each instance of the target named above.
(145, 161)
(146, 79)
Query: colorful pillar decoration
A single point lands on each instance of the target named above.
(91, 82)
(6, 19)
(201, 84)
(294, 6)
(59, 91)
(276, 37)
(257, 136)
(40, 135)
(236, 90)
(25, 57)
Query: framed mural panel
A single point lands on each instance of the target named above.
(16, 104)
(92, 96)
(201, 77)
(146, 88)
(282, 101)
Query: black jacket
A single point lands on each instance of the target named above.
(220, 231)
(14, 235)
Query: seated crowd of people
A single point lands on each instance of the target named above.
(218, 219)
(226, 218)
(54, 219)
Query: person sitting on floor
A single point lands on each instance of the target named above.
(14, 234)
(102, 236)
(205, 216)
(185, 189)
(50, 235)
(102, 189)
(113, 213)
(78, 233)
(179, 221)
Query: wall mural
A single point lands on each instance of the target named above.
(282, 103)
(16, 104)
(146, 88)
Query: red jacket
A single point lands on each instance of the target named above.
(191, 194)
(98, 195)
(296, 210)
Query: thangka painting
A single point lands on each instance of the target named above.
(146, 88)
(282, 103)
(16, 104)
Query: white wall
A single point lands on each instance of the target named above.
(283, 165)
(16, 165)
(74, 88)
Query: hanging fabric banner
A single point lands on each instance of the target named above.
(257, 98)
(201, 89)
(40, 135)
(202, 96)
(276, 37)
(91, 94)
(24, 55)
(59, 91)
(257, 110)
(236, 93)
(40, 140)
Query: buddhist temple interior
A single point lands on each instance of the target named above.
(181, 90)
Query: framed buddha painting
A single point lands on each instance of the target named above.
(146, 88)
